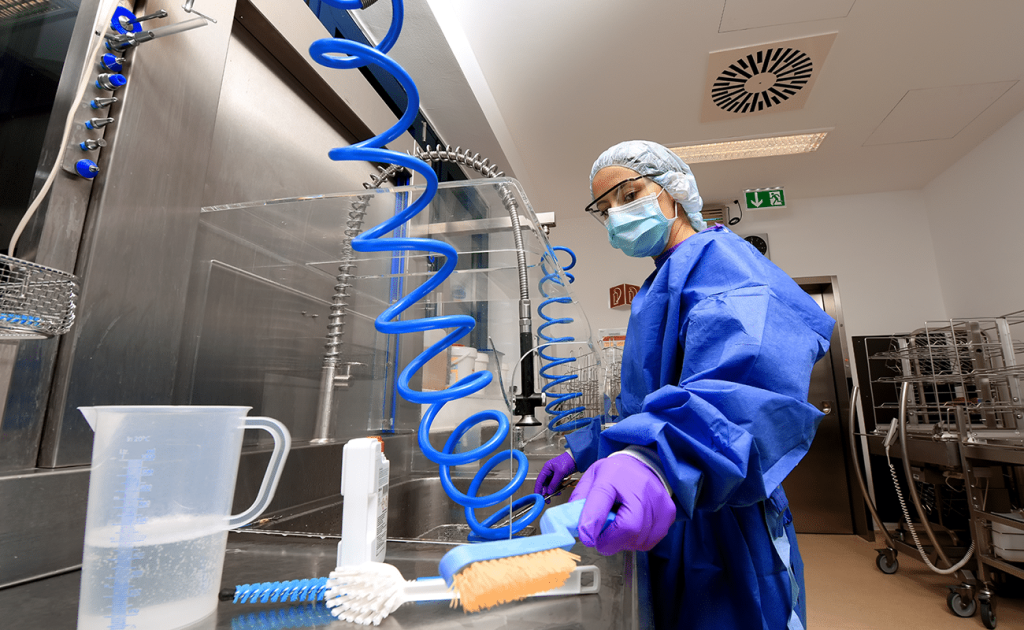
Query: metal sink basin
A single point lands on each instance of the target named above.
(418, 509)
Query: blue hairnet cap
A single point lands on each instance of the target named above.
(665, 169)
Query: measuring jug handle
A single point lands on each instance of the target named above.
(282, 444)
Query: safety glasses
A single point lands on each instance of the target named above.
(614, 196)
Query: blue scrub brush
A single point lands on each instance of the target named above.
(492, 573)
(311, 590)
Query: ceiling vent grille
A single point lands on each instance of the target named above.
(759, 79)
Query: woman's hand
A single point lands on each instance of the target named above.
(553, 473)
(644, 510)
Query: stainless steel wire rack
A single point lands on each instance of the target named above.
(613, 377)
(960, 415)
(597, 382)
(972, 364)
(587, 383)
(36, 302)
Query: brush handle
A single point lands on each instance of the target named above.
(574, 585)
(433, 589)
(428, 589)
(560, 525)
(566, 517)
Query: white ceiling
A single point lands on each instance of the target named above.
(908, 86)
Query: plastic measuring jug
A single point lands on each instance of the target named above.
(159, 511)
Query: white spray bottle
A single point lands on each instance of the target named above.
(364, 518)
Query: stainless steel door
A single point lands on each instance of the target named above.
(818, 489)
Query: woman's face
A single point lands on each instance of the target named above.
(619, 177)
(610, 177)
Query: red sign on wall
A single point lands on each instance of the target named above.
(622, 295)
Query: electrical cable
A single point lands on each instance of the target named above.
(913, 533)
(902, 420)
(735, 220)
(347, 54)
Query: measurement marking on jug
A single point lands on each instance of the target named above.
(127, 537)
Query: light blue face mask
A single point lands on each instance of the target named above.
(639, 228)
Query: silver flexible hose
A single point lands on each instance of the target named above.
(485, 168)
(339, 305)
(857, 473)
(904, 394)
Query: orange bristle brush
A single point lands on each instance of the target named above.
(492, 573)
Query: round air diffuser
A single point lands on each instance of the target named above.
(761, 80)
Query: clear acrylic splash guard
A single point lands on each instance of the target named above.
(272, 279)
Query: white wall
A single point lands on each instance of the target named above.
(976, 211)
(878, 245)
(902, 258)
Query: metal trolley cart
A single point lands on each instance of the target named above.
(958, 426)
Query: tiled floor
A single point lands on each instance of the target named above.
(845, 591)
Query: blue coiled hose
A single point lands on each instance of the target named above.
(558, 408)
(346, 54)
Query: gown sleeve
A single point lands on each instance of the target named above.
(583, 444)
(738, 421)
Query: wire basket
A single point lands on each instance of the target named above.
(36, 302)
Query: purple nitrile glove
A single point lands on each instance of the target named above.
(645, 509)
(555, 471)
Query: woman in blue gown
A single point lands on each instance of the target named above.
(713, 408)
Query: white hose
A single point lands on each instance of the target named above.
(83, 82)
(910, 525)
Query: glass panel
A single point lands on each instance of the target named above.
(272, 268)
(265, 279)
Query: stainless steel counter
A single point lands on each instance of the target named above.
(52, 603)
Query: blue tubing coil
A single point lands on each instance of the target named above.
(347, 54)
(560, 406)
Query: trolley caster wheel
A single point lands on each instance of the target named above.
(885, 567)
(956, 604)
(988, 616)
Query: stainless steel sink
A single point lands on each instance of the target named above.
(418, 509)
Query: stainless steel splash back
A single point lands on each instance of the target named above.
(51, 238)
(140, 226)
(256, 325)
(43, 526)
(211, 117)
(272, 135)
(208, 116)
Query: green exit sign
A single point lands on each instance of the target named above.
(765, 198)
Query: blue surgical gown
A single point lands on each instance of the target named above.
(715, 372)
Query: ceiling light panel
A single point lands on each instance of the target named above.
(751, 148)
